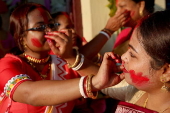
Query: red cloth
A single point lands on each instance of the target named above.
(122, 37)
(124, 107)
(12, 65)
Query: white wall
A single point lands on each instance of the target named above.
(95, 14)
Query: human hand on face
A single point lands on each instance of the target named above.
(118, 20)
(106, 75)
(60, 43)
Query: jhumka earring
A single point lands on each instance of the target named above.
(164, 87)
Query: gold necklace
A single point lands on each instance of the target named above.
(43, 76)
(144, 105)
(36, 60)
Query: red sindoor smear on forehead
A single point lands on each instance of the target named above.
(36, 42)
(43, 14)
(137, 78)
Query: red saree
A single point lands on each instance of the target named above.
(124, 107)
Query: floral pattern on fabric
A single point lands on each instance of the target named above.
(13, 81)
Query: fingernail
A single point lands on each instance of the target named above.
(48, 40)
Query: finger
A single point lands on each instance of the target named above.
(53, 35)
(53, 47)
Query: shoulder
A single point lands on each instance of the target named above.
(10, 60)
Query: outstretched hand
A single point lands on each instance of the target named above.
(106, 75)
(60, 42)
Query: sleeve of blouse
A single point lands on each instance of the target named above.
(123, 91)
(12, 73)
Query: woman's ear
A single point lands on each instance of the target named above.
(166, 73)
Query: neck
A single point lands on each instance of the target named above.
(37, 55)
(158, 99)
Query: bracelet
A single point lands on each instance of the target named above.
(108, 31)
(98, 59)
(80, 63)
(81, 86)
(77, 59)
(90, 94)
(104, 33)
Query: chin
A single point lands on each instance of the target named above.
(128, 79)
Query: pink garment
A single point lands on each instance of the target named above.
(122, 37)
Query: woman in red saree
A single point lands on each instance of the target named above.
(31, 80)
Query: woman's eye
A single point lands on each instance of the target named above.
(131, 54)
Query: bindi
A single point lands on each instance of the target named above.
(137, 78)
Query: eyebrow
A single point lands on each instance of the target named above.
(133, 48)
(50, 20)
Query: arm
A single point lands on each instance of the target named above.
(49, 92)
(96, 44)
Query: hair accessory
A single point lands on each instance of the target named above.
(35, 60)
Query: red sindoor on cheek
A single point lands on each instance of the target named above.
(137, 78)
(36, 42)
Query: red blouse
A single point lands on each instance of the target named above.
(14, 72)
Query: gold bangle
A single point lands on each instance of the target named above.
(76, 61)
(90, 94)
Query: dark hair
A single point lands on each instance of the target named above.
(155, 37)
(19, 21)
(0, 21)
(55, 15)
(149, 5)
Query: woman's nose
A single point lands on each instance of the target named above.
(48, 29)
(124, 57)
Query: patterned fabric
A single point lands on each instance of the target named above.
(14, 72)
(14, 80)
(124, 107)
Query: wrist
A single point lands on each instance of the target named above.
(108, 30)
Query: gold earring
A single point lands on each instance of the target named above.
(164, 87)
(25, 46)
(141, 13)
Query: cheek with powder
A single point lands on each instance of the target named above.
(36, 42)
(132, 13)
(137, 78)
